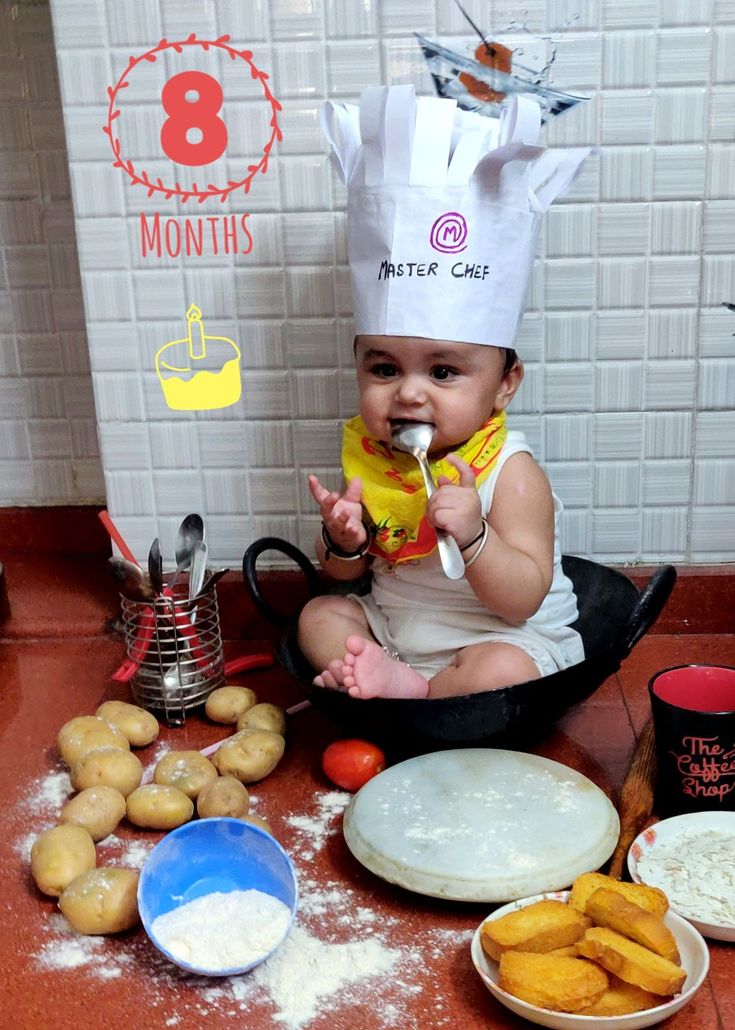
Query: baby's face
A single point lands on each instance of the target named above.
(456, 386)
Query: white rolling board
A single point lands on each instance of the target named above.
(480, 825)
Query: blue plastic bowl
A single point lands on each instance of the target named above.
(209, 855)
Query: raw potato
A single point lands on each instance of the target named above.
(258, 820)
(264, 717)
(251, 756)
(157, 807)
(227, 704)
(108, 767)
(102, 901)
(97, 809)
(223, 796)
(140, 727)
(86, 733)
(59, 856)
(190, 771)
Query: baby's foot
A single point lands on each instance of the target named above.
(331, 676)
(369, 672)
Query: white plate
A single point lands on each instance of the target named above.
(480, 824)
(667, 831)
(694, 959)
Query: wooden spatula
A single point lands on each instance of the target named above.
(636, 797)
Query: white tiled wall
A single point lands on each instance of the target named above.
(49, 452)
(630, 391)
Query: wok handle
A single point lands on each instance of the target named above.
(250, 575)
(648, 607)
(636, 797)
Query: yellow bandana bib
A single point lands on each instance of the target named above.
(393, 493)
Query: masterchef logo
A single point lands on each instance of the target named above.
(449, 233)
(207, 136)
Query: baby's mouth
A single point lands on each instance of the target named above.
(396, 423)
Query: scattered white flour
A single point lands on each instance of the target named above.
(223, 930)
(136, 852)
(317, 828)
(340, 952)
(161, 750)
(42, 805)
(70, 950)
(24, 845)
(306, 976)
(49, 794)
(129, 853)
(697, 873)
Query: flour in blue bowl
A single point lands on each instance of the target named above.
(221, 931)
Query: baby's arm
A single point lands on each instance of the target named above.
(513, 573)
(342, 519)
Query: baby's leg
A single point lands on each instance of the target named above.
(484, 667)
(324, 625)
(369, 672)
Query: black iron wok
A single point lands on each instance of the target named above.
(613, 616)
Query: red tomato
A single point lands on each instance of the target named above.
(351, 763)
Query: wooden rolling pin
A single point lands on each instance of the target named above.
(636, 797)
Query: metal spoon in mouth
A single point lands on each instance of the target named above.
(415, 438)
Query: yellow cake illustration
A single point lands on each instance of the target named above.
(199, 372)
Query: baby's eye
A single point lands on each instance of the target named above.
(443, 372)
(384, 370)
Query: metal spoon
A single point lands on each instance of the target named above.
(129, 579)
(198, 569)
(212, 579)
(415, 438)
(198, 566)
(190, 532)
(155, 567)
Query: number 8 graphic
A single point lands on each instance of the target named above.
(200, 114)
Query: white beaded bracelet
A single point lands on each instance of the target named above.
(481, 545)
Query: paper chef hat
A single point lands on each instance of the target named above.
(444, 207)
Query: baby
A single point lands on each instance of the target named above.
(417, 633)
(444, 208)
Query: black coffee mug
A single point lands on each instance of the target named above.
(694, 722)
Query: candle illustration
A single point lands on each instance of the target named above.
(197, 346)
(199, 372)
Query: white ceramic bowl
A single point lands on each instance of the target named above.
(666, 832)
(694, 959)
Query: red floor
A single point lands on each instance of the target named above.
(56, 658)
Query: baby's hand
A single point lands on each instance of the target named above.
(456, 508)
(341, 513)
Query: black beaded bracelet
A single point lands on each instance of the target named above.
(332, 549)
(474, 540)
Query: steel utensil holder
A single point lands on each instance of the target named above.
(176, 645)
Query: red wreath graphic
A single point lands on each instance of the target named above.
(141, 178)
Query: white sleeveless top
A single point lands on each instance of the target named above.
(400, 591)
